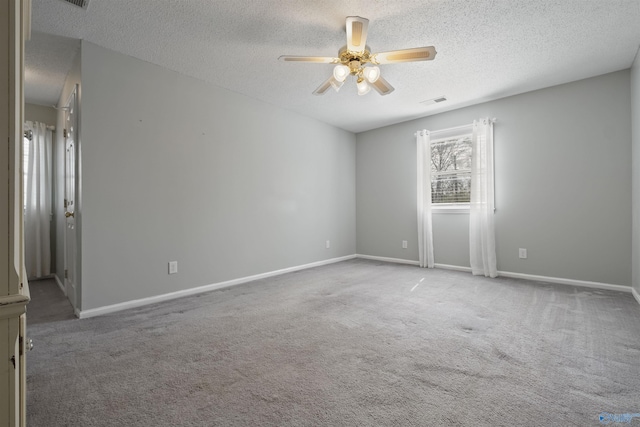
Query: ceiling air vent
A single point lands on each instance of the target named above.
(80, 3)
(434, 100)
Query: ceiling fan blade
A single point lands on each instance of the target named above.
(324, 86)
(357, 33)
(426, 53)
(316, 59)
(382, 86)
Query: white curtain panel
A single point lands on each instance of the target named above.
(37, 218)
(482, 242)
(425, 227)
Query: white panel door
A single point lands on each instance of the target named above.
(70, 252)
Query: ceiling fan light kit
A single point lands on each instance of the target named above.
(371, 74)
(336, 84)
(340, 72)
(353, 59)
(363, 87)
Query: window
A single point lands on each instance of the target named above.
(451, 172)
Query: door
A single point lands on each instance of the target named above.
(14, 289)
(70, 253)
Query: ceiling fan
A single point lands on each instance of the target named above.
(353, 59)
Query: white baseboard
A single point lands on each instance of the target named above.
(453, 267)
(535, 278)
(83, 314)
(636, 295)
(385, 259)
(60, 285)
(562, 281)
(411, 262)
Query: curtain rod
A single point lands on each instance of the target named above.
(493, 120)
(29, 133)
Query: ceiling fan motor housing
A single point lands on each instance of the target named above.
(354, 60)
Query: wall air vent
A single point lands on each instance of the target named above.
(435, 100)
(80, 3)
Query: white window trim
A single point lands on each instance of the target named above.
(451, 208)
(442, 135)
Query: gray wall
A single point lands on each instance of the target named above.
(175, 169)
(563, 181)
(40, 113)
(48, 116)
(635, 124)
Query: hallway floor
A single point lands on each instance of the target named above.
(48, 303)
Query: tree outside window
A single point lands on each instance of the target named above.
(451, 170)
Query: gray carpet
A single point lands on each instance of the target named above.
(350, 344)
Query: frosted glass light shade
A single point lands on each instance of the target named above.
(363, 87)
(371, 74)
(336, 84)
(340, 72)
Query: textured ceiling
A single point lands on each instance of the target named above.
(487, 49)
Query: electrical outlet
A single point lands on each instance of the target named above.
(404, 244)
(173, 267)
(522, 253)
(328, 244)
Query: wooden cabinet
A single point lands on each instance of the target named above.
(14, 289)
